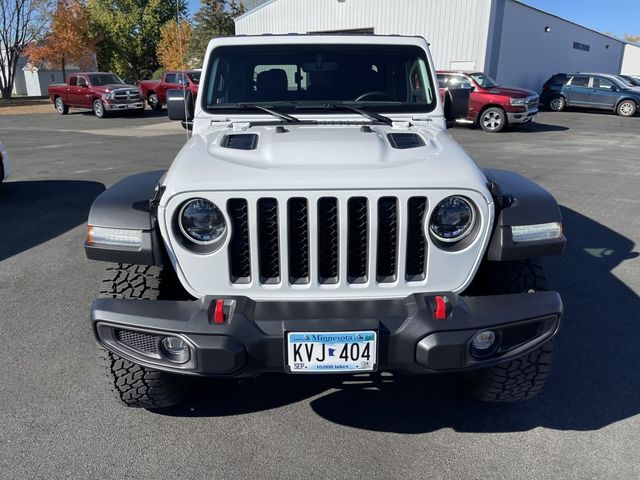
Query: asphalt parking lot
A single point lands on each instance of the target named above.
(59, 420)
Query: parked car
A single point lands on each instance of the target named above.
(4, 163)
(591, 90)
(155, 91)
(633, 80)
(101, 92)
(251, 255)
(491, 106)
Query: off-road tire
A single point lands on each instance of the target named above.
(136, 385)
(61, 108)
(520, 379)
(143, 387)
(523, 377)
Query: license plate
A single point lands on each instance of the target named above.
(131, 105)
(332, 352)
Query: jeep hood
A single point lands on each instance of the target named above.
(322, 157)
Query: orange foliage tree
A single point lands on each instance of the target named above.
(173, 45)
(69, 40)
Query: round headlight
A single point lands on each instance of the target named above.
(202, 222)
(452, 219)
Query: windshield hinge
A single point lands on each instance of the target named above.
(401, 125)
(240, 126)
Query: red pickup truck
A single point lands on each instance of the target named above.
(491, 106)
(155, 91)
(101, 92)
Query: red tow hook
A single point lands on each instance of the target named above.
(441, 307)
(218, 312)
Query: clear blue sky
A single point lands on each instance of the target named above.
(617, 17)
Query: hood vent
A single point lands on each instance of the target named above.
(241, 141)
(405, 140)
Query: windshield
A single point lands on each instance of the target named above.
(294, 77)
(485, 81)
(105, 79)
(626, 81)
(195, 77)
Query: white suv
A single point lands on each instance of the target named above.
(322, 220)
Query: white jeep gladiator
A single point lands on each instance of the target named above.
(322, 220)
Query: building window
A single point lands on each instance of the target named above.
(53, 77)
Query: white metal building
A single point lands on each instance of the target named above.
(513, 42)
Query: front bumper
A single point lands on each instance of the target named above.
(123, 106)
(522, 117)
(252, 338)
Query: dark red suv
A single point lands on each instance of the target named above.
(491, 106)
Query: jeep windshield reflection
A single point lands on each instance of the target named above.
(382, 78)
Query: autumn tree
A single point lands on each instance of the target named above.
(129, 32)
(174, 43)
(21, 22)
(69, 40)
(632, 38)
(213, 19)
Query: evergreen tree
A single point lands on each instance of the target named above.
(214, 19)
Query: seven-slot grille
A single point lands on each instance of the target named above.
(327, 240)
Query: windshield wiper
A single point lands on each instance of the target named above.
(376, 117)
(282, 116)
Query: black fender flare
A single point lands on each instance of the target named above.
(127, 205)
(520, 201)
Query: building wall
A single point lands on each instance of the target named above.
(456, 29)
(528, 55)
(631, 62)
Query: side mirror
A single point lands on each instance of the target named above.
(614, 88)
(180, 105)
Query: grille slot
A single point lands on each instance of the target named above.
(298, 229)
(357, 240)
(328, 240)
(416, 243)
(387, 239)
(268, 241)
(239, 254)
(142, 342)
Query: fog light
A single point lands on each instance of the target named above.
(175, 349)
(483, 343)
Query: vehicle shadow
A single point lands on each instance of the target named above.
(594, 382)
(536, 127)
(531, 127)
(33, 212)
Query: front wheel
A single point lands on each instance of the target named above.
(493, 120)
(154, 102)
(557, 104)
(136, 385)
(61, 108)
(627, 108)
(523, 377)
(143, 387)
(98, 108)
(520, 379)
